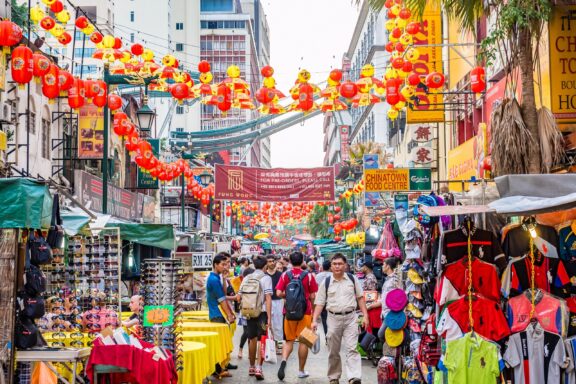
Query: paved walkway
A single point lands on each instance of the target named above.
(317, 366)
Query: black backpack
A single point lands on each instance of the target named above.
(34, 278)
(40, 250)
(55, 235)
(295, 304)
(32, 307)
(26, 333)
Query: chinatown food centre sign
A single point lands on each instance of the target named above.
(398, 179)
(274, 184)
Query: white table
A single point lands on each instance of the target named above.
(65, 356)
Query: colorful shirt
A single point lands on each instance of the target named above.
(214, 295)
(550, 275)
(548, 311)
(472, 360)
(370, 282)
(517, 240)
(454, 281)
(309, 283)
(567, 243)
(570, 373)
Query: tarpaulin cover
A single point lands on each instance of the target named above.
(73, 222)
(26, 203)
(153, 235)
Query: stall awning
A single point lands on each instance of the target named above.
(153, 235)
(73, 222)
(26, 203)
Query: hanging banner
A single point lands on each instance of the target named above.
(398, 179)
(428, 41)
(274, 184)
(562, 35)
(344, 145)
(145, 180)
(90, 132)
(463, 164)
(3, 141)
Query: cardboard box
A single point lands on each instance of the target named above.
(308, 337)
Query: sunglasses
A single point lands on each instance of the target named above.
(57, 344)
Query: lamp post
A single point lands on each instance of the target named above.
(146, 116)
(205, 179)
(350, 182)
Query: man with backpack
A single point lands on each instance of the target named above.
(341, 295)
(298, 289)
(256, 293)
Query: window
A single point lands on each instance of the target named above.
(212, 24)
(179, 47)
(132, 16)
(179, 110)
(179, 26)
(179, 129)
(216, 5)
(45, 139)
(32, 122)
(86, 52)
(132, 37)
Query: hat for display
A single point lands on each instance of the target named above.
(414, 310)
(395, 320)
(414, 276)
(396, 299)
(394, 338)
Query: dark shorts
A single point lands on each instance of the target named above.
(257, 327)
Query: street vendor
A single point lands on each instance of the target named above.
(134, 322)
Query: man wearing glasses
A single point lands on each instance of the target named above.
(341, 294)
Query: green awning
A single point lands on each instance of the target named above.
(26, 203)
(73, 222)
(153, 235)
(322, 241)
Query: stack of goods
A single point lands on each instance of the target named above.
(396, 319)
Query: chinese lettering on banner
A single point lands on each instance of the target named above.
(90, 133)
(429, 108)
(344, 146)
(274, 184)
(422, 154)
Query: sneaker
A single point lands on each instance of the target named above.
(231, 366)
(303, 374)
(259, 374)
(251, 371)
(281, 373)
(334, 381)
(354, 381)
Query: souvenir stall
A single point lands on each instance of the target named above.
(498, 306)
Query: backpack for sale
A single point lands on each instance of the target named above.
(32, 307)
(430, 351)
(40, 250)
(35, 281)
(422, 217)
(295, 301)
(252, 297)
(26, 333)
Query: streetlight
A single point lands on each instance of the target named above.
(350, 182)
(205, 179)
(146, 116)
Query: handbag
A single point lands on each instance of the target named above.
(32, 307)
(368, 341)
(55, 235)
(40, 251)
(387, 246)
(34, 278)
(316, 347)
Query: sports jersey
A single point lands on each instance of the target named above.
(548, 310)
(517, 241)
(485, 246)
(571, 304)
(472, 359)
(535, 355)
(567, 242)
(550, 275)
(454, 281)
(570, 373)
(489, 321)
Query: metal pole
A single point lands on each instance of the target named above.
(182, 213)
(28, 103)
(105, 151)
(210, 216)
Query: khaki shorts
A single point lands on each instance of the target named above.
(293, 328)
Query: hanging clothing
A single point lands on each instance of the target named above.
(489, 321)
(549, 311)
(535, 355)
(567, 241)
(570, 373)
(550, 275)
(472, 359)
(571, 304)
(454, 280)
(517, 241)
(485, 246)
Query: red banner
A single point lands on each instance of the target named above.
(274, 184)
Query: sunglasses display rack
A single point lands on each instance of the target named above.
(160, 278)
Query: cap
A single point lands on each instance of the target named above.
(396, 299)
(394, 338)
(414, 276)
(414, 311)
(395, 320)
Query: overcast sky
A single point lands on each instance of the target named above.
(310, 34)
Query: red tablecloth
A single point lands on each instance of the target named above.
(142, 367)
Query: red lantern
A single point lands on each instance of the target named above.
(82, 22)
(22, 65)
(404, 13)
(337, 209)
(132, 142)
(47, 23)
(57, 6)
(101, 98)
(117, 43)
(396, 33)
(96, 37)
(203, 66)
(400, 47)
(413, 79)
(267, 71)
(398, 63)
(65, 80)
(435, 80)
(337, 228)
(137, 49)
(487, 164)
(144, 146)
(407, 67)
(76, 94)
(180, 91)
(336, 75)
(223, 98)
(114, 102)
(336, 217)
(10, 34)
(478, 79)
(390, 15)
(388, 3)
(265, 95)
(348, 89)
(41, 66)
(412, 28)
(65, 38)
(50, 82)
(337, 238)
(390, 47)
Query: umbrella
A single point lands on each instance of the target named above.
(261, 236)
(304, 237)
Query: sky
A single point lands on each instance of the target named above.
(310, 34)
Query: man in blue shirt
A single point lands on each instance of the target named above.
(216, 299)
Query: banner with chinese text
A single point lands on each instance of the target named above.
(274, 184)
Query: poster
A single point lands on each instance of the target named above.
(398, 179)
(462, 164)
(160, 315)
(401, 208)
(90, 132)
(371, 161)
(374, 200)
(145, 181)
(274, 184)
(344, 144)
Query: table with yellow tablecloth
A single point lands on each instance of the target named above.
(196, 366)
(225, 332)
(216, 350)
(195, 315)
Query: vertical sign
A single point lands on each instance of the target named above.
(145, 180)
(90, 133)
(429, 108)
(463, 163)
(344, 135)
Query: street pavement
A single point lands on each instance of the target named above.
(317, 366)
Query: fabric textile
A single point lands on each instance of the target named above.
(342, 295)
(309, 283)
(549, 275)
(392, 282)
(293, 328)
(278, 320)
(567, 242)
(454, 280)
(343, 332)
(517, 240)
(257, 327)
(548, 310)
(472, 360)
(275, 279)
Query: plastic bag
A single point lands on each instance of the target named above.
(316, 347)
(270, 350)
(43, 375)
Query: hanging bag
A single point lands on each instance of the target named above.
(26, 333)
(270, 350)
(56, 232)
(34, 278)
(387, 246)
(32, 307)
(40, 251)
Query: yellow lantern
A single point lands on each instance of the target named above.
(402, 74)
(408, 91)
(269, 82)
(168, 61)
(361, 237)
(148, 55)
(206, 77)
(391, 73)
(392, 114)
(412, 54)
(395, 9)
(390, 25)
(126, 57)
(400, 23)
(406, 39)
(48, 2)
(399, 105)
(89, 29)
(58, 30)
(36, 14)
(63, 16)
(100, 45)
(108, 41)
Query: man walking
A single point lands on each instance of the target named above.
(320, 280)
(256, 293)
(341, 294)
(277, 302)
(216, 299)
(298, 288)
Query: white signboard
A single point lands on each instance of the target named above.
(195, 261)
(250, 249)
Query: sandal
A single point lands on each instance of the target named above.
(251, 371)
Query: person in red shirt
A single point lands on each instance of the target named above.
(293, 328)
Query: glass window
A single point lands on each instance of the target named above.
(132, 37)
(220, 24)
(180, 110)
(131, 15)
(32, 122)
(203, 24)
(179, 47)
(216, 5)
(212, 25)
(179, 129)
(179, 26)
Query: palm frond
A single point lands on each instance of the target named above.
(551, 140)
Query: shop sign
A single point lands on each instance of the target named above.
(90, 132)
(421, 154)
(420, 133)
(401, 201)
(158, 315)
(274, 184)
(463, 163)
(371, 161)
(3, 141)
(428, 40)
(344, 145)
(145, 181)
(398, 179)
(195, 261)
(562, 35)
(223, 247)
(250, 249)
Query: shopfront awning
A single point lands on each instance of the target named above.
(153, 235)
(73, 222)
(26, 203)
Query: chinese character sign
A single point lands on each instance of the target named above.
(344, 146)
(422, 154)
(274, 184)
